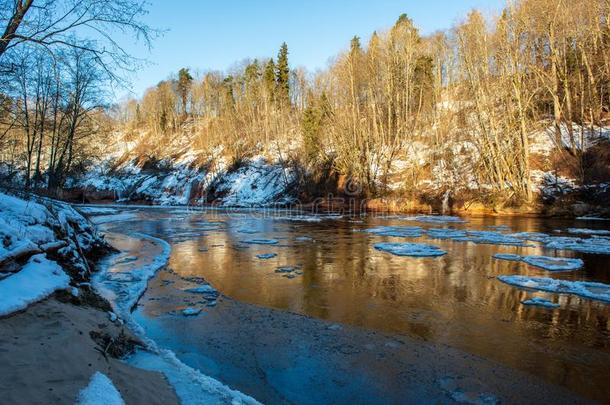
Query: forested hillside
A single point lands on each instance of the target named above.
(504, 110)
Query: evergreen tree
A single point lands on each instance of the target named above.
(269, 78)
(185, 81)
(252, 72)
(283, 75)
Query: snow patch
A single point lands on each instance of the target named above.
(38, 279)
(100, 391)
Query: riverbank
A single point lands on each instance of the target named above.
(48, 356)
(56, 333)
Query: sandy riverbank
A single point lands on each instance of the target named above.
(47, 356)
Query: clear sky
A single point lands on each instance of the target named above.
(214, 34)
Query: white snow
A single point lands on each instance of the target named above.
(544, 262)
(100, 391)
(540, 302)
(397, 231)
(38, 279)
(410, 249)
(587, 289)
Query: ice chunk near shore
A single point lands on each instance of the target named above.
(410, 249)
(544, 262)
(100, 391)
(96, 210)
(594, 245)
(265, 256)
(105, 219)
(541, 302)
(38, 279)
(586, 231)
(261, 241)
(587, 289)
(191, 311)
(397, 231)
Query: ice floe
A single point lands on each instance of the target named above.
(191, 311)
(435, 219)
(494, 238)
(265, 256)
(398, 231)
(121, 217)
(97, 210)
(595, 245)
(261, 241)
(586, 231)
(544, 262)
(38, 279)
(447, 233)
(587, 289)
(542, 302)
(410, 249)
(100, 391)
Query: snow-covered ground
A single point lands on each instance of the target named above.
(52, 239)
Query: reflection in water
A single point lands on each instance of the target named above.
(453, 299)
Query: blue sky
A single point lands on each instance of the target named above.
(214, 34)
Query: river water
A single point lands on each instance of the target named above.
(330, 271)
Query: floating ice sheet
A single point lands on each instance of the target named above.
(261, 241)
(445, 233)
(587, 231)
(265, 256)
(435, 219)
(410, 249)
(596, 245)
(544, 262)
(542, 302)
(587, 289)
(398, 231)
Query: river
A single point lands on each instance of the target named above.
(326, 277)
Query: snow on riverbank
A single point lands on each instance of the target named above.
(38, 279)
(51, 238)
(122, 280)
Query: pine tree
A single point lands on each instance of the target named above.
(283, 75)
(185, 81)
(269, 78)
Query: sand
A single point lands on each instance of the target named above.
(47, 357)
